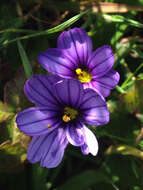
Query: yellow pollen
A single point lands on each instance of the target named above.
(83, 76)
(48, 126)
(66, 118)
(79, 71)
(69, 114)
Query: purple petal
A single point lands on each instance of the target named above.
(39, 90)
(77, 44)
(48, 149)
(105, 83)
(102, 90)
(101, 61)
(69, 92)
(37, 121)
(55, 61)
(75, 134)
(94, 109)
(91, 143)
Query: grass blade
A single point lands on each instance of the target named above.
(58, 28)
(25, 61)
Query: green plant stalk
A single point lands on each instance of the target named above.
(119, 89)
(16, 30)
(130, 77)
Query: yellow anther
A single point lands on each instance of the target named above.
(48, 126)
(79, 71)
(69, 114)
(83, 76)
(66, 118)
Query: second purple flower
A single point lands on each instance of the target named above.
(63, 108)
(74, 59)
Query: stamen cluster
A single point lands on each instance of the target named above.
(69, 114)
(83, 76)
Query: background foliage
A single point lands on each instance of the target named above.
(29, 27)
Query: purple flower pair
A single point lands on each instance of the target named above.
(65, 106)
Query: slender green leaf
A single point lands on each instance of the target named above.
(25, 61)
(120, 29)
(124, 149)
(122, 19)
(58, 28)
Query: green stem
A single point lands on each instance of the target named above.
(16, 30)
(130, 77)
(119, 89)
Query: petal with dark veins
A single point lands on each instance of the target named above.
(75, 134)
(101, 61)
(94, 108)
(37, 120)
(77, 45)
(48, 149)
(39, 90)
(54, 60)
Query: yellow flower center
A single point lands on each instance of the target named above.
(83, 76)
(69, 114)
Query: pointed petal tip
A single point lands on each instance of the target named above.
(55, 61)
(91, 143)
(101, 61)
(105, 84)
(117, 77)
(94, 108)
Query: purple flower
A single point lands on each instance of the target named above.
(62, 109)
(74, 59)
